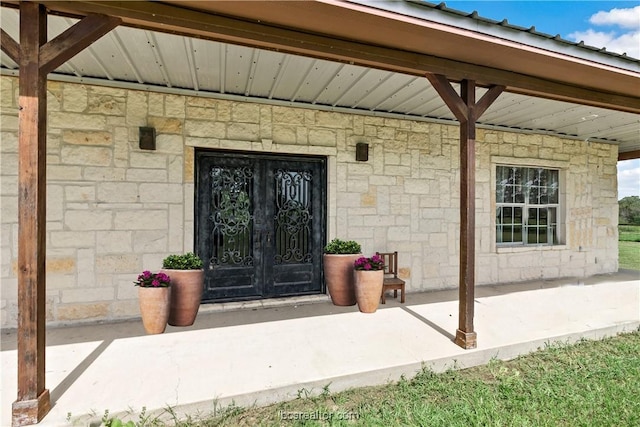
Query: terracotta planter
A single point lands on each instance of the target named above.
(154, 308)
(186, 295)
(368, 289)
(338, 275)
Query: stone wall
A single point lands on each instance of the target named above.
(114, 210)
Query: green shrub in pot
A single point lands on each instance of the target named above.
(187, 281)
(338, 262)
(342, 247)
(188, 261)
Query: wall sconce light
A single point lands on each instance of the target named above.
(147, 138)
(362, 152)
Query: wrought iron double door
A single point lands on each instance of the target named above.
(260, 224)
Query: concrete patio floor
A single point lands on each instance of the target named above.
(262, 352)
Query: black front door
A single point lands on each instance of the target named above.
(260, 224)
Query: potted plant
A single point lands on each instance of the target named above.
(338, 262)
(369, 275)
(187, 280)
(154, 296)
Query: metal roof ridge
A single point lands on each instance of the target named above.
(531, 30)
(504, 23)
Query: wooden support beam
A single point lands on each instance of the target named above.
(33, 401)
(171, 18)
(9, 46)
(36, 58)
(448, 94)
(465, 335)
(74, 40)
(467, 111)
(629, 155)
(487, 99)
(66, 45)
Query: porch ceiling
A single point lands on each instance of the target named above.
(146, 59)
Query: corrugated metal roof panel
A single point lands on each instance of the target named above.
(316, 78)
(382, 92)
(208, 58)
(339, 86)
(171, 61)
(265, 73)
(171, 58)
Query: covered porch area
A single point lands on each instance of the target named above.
(398, 53)
(222, 359)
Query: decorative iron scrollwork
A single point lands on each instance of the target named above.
(231, 215)
(293, 216)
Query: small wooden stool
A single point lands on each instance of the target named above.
(391, 280)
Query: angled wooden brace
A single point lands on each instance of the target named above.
(467, 111)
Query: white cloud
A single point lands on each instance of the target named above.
(625, 18)
(628, 43)
(619, 42)
(628, 178)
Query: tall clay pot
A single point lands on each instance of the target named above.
(154, 308)
(186, 295)
(338, 275)
(368, 289)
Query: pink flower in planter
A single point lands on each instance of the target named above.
(153, 280)
(369, 264)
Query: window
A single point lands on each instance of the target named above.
(527, 203)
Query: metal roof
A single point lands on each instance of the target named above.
(142, 59)
(440, 12)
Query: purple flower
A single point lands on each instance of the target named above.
(157, 280)
(369, 264)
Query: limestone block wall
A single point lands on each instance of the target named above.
(114, 210)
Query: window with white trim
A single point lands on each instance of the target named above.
(527, 205)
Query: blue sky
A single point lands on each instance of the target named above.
(611, 24)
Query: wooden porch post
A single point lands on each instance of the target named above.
(33, 399)
(465, 334)
(467, 111)
(36, 58)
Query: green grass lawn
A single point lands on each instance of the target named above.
(629, 233)
(629, 246)
(591, 383)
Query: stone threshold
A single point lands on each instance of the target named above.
(263, 303)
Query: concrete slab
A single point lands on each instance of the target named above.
(272, 352)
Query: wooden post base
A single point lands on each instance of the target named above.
(466, 340)
(29, 412)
